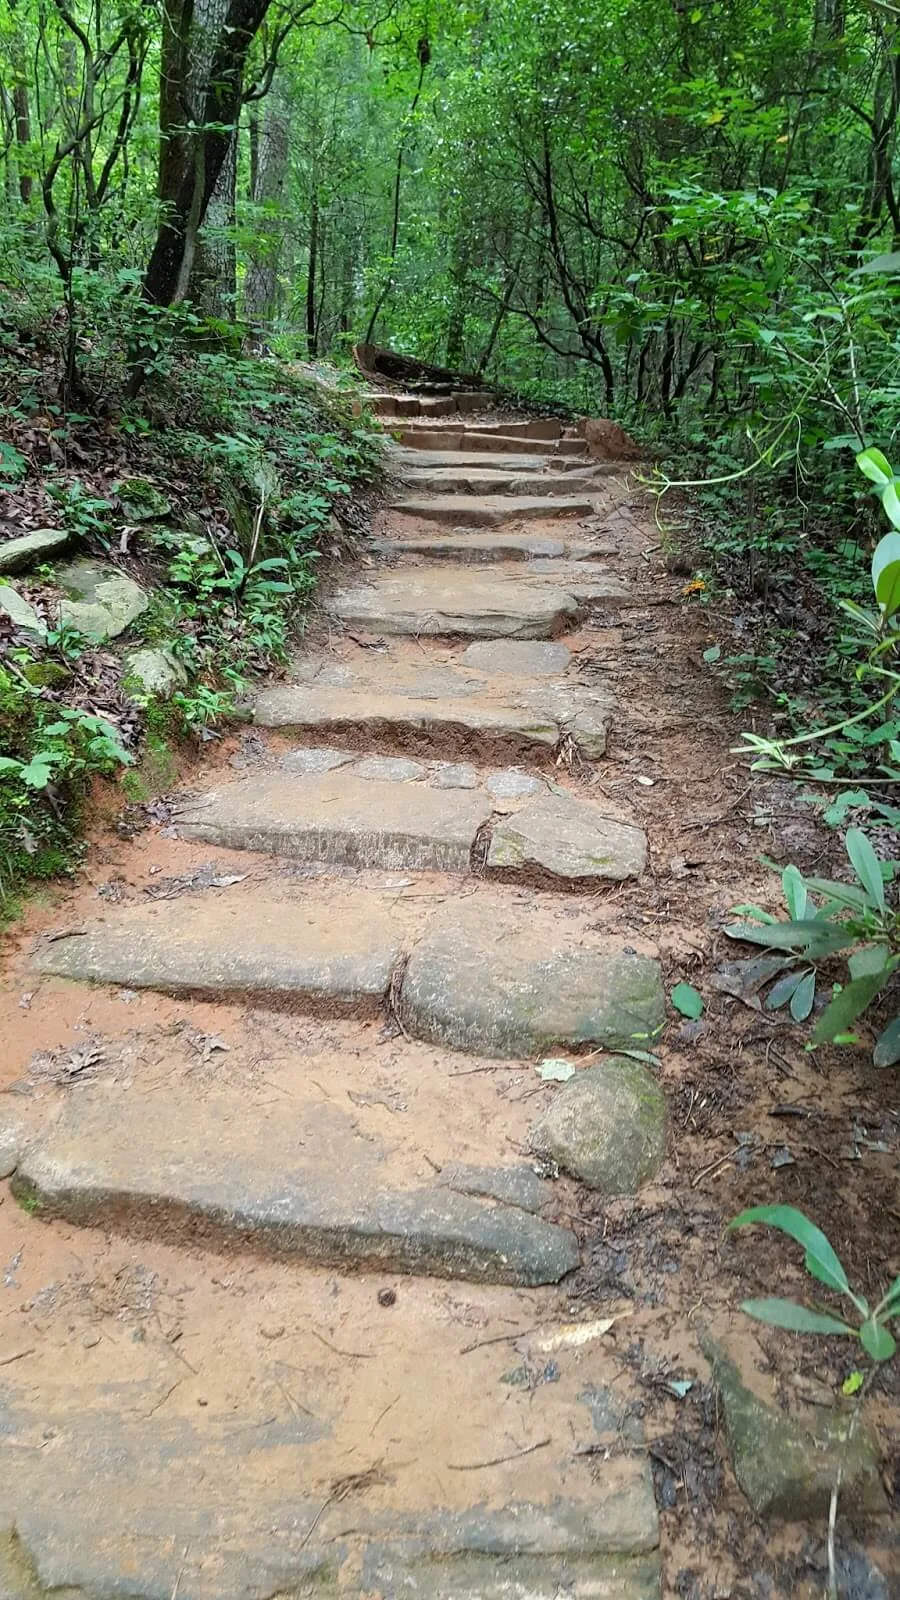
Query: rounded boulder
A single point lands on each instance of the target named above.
(606, 1126)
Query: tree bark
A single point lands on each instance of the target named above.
(195, 133)
(262, 289)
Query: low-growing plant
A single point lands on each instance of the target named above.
(856, 920)
(871, 1324)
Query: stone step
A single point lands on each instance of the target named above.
(463, 403)
(481, 461)
(307, 1443)
(490, 547)
(473, 973)
(476, 511)
(306, 1187)
(455, 480)
(492, 701)
(380, 812)
(457, 601)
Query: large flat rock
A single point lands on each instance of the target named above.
(459, 480)
(446, 723)
(426, 458)
(342, 818)
(508, 986)
(179, 1165)
(486, 973)
(562, 837)
(275, 948)
(392, 813)
(448, 601)
(483, 511)
(472, 547)
(520, 697)
(42, 544)
(100, 600)
(115, 1486)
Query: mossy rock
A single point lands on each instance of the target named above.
(142, 501)
(606, 1126)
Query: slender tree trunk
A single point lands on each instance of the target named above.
(262, 290)
(192, 157)
(311, 339)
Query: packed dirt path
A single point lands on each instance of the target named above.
(327, 1095)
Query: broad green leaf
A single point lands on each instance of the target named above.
(890, 1303)
(890, 503)
(870, 959)
(820, 1259)
(815, 938)
(688, 1000)
(782, 991)
(8, 764)
(875, 466)
(876, 1340)
(890, 262)
(846, 894)
(754, 911)
(887, 1047)
(803, 997)
(849, 1004)
(886, 569)
(794, 889)
(787, 1314)
(852, 1383)
(865, 864)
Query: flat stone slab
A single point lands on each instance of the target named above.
(180, 1165)
(473, 548)
(343, 818)
(520, 658)
(787, 1466)
(256, 944)
(446, 601)
(509, 987)
(368, 714)
(482, 975)
(101, 601)
(515, 698)
(22, 614)
(457, 480)
(110, 1488)
(43, 544)
(425, 458)
(568, 838)
(384, 812)
(479, 511)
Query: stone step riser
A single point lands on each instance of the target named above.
(475, 979)
(473, 511)
(446, 481)
(513, 825)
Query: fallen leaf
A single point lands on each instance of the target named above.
(555, 1070)
(688, 1000)
(572, 1335)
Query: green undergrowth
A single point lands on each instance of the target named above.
(220, 490)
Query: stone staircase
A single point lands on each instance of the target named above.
(407, 918)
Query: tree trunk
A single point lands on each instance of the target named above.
(262, 291)
(192, 155)
(311, 320)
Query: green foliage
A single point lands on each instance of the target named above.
(856, 920)
(821, 1263)
(51, 753)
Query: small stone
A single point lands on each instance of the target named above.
(511, 782)
(606, 1126)
(91, 1340)
(458, 775)
(387, 1297)
(21, 613)
(101, 601)
(271, 1331)
(321, 760)
(787, 1468)
(40, 545)
(156, 671)
(390, 767)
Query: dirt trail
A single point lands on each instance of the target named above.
(300, 1295)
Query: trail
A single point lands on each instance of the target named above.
(308, 1296)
